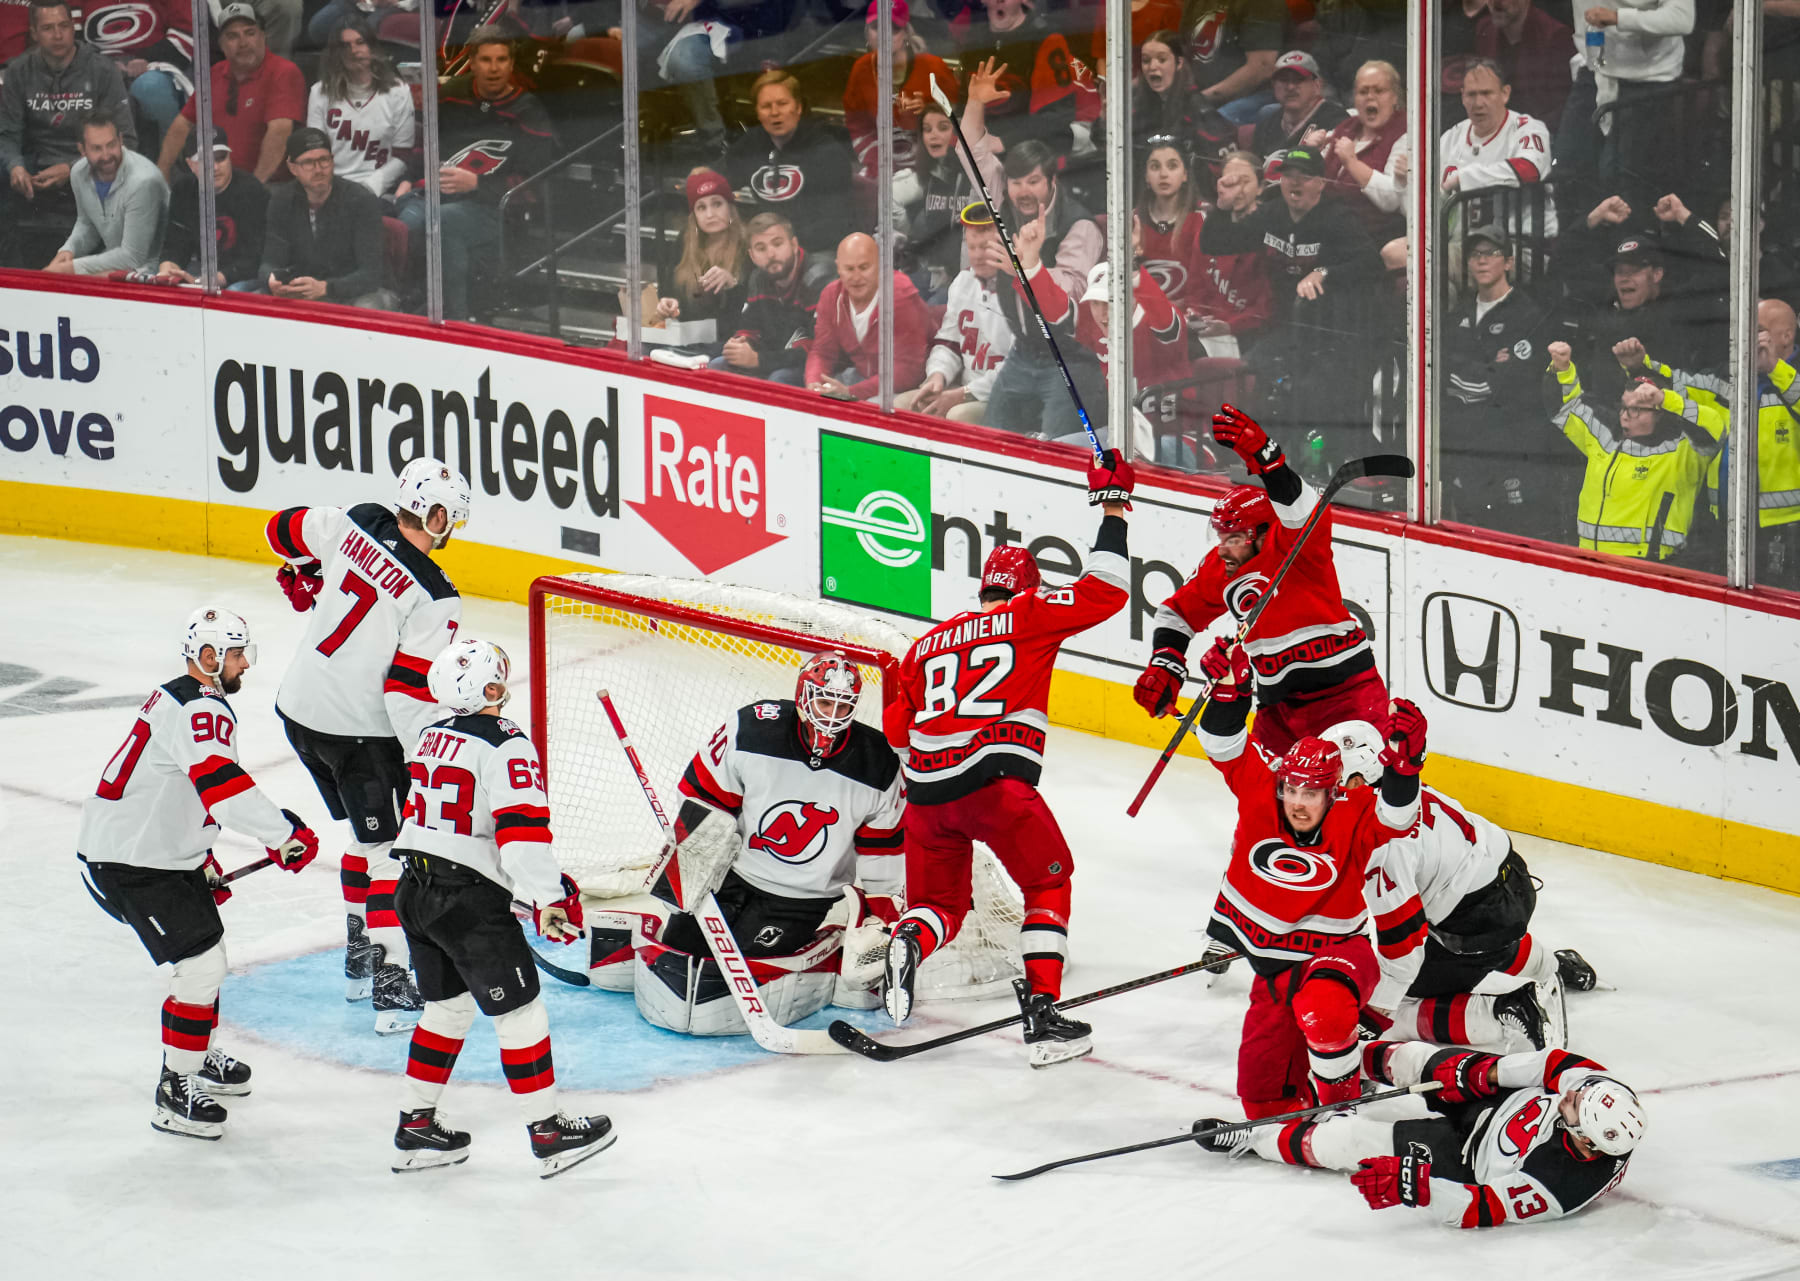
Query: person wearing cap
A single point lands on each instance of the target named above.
(120, 204)
(258, 98)
(711, 278)
(974, 340)
(242, 205)
(1302, 103)
(845, 356)
(47, 89)
(324, 241)
(1232, 49)
(775, 331)
(1158, 352)
(914, 70)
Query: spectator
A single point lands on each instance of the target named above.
(914, 70)
(324, 240)
(1532, 49)
(47, 90)
(1232, 47)
(1302, 104)
(1164, 105)
(712, 277)
(1502, 469)
(687, 43)
(1350, 34)
(493, 134)
(257, 99)
(974, 339)
(337, 13)
(152, 43)
(242, 205)
(927, 196)
(1358, 151)
(847, 333)
(1627, 150)
(1148, 19)
(775, 332)
(793, 165)
(364, 108)
(1158, 352)
(120, 203)
(1044, 91)
(1496, 147)
(1220, 298)
(1645, 509)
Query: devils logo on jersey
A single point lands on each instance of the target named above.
(794, 831)
(483, 157)
(1205, 41)
(1242, 593)
(1168, 273)
(1295, 869)
(776, 182)
(1522, 1127)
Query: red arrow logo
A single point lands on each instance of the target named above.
(704, 492)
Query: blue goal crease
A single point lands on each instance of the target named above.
(1787, 1170)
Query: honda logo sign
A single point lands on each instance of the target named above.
(1471, 651)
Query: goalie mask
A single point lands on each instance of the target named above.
(427, 483)
(222, 630)
(1359, 747)
(825, 696)
(459, 676)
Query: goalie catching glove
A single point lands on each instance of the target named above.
(561, 921)
(706, 847)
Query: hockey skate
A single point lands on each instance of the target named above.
(901, 971)
(1214, 950)
(1520, 1013)
(1574, 971)
(1050, 1036)
(423, 1142)
(559, 1141)
(184, 1107)
(222, 1074)
(1231, 1143)
(398, 1004)
(359, 959)
(1556, 1014)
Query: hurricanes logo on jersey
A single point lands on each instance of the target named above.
(481, 158)
(1242, 593)
(794, 831)
(1172, 276)
(777, 182)
(120, 28)
(1281, 864)
(1522, 1127)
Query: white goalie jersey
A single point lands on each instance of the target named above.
(478, 800)
(176, 777)
(807, 832)
(385, 611)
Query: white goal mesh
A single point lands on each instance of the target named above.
(678, 657)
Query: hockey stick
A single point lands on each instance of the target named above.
(574, 978)
(730, 959)
(860, 1042)
(245, 870)
(943, 102)
(1374, 465)
(1195, 1134)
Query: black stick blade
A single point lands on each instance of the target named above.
(573, 978)
(1378, 465)
(859, 1042)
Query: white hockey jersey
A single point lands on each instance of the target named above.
(369, 134)
(974, 339)
(478, 800)
(1419, 878)
(177, 768)
(385, 612)
(808, 828)
(1515, 154)
(1519, 1151)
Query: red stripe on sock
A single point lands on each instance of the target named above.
(355, 878)
(1523, 959)
(380, 905)
(528, 1069)
(186, 1027)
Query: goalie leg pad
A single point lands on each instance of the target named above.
(613, 939)
(685, 993)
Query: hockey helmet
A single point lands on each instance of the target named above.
(460, 675)
(1011, 569)
(426, 483)
(825, 696)
(1609, 1116)
(1311, 762)
(1245, 509)
(221, 629)
(1359, 748)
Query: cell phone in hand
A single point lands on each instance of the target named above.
(284, 276)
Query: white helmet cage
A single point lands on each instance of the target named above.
(460, 675)
(826, 694)
(1359, 744)
(1609, 1116)
(426, 483)
(221, 629)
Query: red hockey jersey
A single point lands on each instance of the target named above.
(1231, 287)
(1307, 640)
(970, 702)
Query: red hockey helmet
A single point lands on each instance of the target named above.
(825, 696)
(1311, 762)
(1011, 569)
(1245, 509)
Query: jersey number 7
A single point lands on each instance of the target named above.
(364, 592)
(943, 676)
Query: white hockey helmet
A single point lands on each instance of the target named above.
(460, 675)
(426, 483)
(1609, 1116)
(825, 695)
(221, 629)
(1359, 743)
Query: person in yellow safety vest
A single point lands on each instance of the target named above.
(1637, 497)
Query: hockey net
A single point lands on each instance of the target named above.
(679, 656)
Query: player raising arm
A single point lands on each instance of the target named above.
(146, 848)
(969, 714)
(355, 697)
(477, 836)
(788, 803)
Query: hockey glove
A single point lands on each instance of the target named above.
(1394, 1180)
(300, 848)
(1227, 665)
(1110, 480)
(1466, 1075)
(1160, 684)
(214, 874)
(1238, 432)
(561, 921)
(1405, 738)
(300, 584)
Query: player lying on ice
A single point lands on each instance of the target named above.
(789, 804)
(1520, 1137)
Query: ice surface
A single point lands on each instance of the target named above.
(736, 1164)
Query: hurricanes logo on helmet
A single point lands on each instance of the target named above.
(1282, 864)
(794, 831)
(1242, 593)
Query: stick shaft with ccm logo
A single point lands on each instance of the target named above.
(726, 953)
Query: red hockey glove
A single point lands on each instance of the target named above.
(1405, 738)
(1160, 684)
(300, 848)
(1228, 661)
(215, 873)
(1237, 431)
(1110, 480)
(1393, 1180)
(300, 584)
(561, 921)
(1466, 1075)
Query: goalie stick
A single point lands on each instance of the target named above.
(859, 1042)
(1196, 1133)
(1374, 465)
(730, 958)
